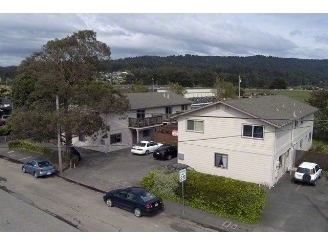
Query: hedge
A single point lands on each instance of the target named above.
(238, 200)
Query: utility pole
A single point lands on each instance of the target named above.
(239, 85)
(58, 139)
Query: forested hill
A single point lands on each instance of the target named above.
(190, 70)
(255, 71)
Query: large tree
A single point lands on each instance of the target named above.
(223, 89)
(176, 88)
(64, 68)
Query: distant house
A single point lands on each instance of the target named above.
(251, 139)
(147, 111)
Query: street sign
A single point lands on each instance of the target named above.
(182, 175)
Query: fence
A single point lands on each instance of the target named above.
(319, 158)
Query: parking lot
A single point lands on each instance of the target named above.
(117, 169)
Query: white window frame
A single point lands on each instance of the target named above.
(194, 130)
(223, 160)
(244, 136)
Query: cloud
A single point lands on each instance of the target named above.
(137, 34)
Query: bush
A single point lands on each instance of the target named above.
(29, 146)
(222, 196)
(5, 130)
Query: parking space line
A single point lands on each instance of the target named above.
(297, 187)
(9, 152)
(24, 158)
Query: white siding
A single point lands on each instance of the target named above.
(117, 125)
(289, 139)
(248, 159)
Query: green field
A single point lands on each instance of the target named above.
(300, 95)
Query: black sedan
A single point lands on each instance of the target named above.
(165, 152)
(135, 199)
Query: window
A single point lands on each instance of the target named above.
(195, 125)
(301, 121)
(82, 138)
(141, 114)
(220, 160)
(184, 107)
(168, 110)
(253, 131)
(146, 133)
(115, 138)
(310, 136)
(301, 143)
(296, 123)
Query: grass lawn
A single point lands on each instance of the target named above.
(300, 95)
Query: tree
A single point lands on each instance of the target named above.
(223, 89)
(138, 87)
(5, 91)
(65, 68)
(176, 88)
(319, 99)
(278, 83)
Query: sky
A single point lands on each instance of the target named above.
(143, 27)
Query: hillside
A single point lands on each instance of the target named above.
(190, 70)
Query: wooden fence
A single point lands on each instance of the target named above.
(319, 158)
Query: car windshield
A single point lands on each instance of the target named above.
(163, 148)
(141, 144)
(146, 196)
(44, 163)
(303, 170)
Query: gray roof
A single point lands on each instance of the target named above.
(155, 99)
(276, 110)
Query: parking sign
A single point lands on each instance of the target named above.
(182, 175)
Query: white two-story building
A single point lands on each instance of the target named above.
(147, 111)
(249, 139)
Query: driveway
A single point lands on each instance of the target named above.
(296, 207)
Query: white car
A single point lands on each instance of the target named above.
(145, 147)
(308, 172)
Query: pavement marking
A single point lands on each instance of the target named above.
(297, 187)
(9, 152)
(24, 158)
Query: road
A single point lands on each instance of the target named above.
(27, 203)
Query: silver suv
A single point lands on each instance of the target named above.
(308, 172)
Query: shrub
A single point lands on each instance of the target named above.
(29, 146)
(222, 196)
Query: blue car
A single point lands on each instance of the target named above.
(39, 167)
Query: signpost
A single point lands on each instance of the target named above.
(182, 178)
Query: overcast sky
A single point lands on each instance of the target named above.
(131, 30)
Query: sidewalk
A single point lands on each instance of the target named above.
(201, 217)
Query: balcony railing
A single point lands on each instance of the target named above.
(143, 122)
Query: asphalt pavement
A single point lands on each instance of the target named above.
(96, 167)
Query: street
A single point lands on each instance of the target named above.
(78, 208)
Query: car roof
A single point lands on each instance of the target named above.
(307, 165)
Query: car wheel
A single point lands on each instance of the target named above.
(24, 171)
(314, 182)
(147, 152)
(109, 203)
(169, 157)
(295, 180)
(137, 212)
(35, 175)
